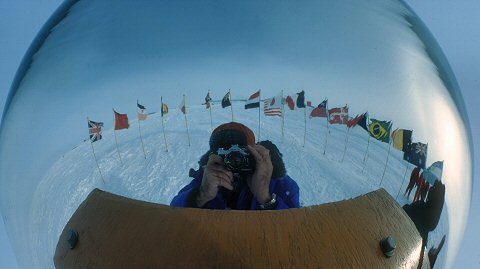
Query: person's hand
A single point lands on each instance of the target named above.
(259, 183)
(215, 175)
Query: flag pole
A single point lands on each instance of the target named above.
(259, 98)
(141, 139)
(403, 180)
(426, 156)
(386, 162)
(210, 110)
(98, 166)
(231, 102)
(116, 141)
(305, 119)
(346, 134)
(366, 153)
(163, 127)
(186, 122)
(326, 133)
(346, 142)
(95, 157)
(388, 155)
(283, 115)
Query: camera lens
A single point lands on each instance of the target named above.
(235, 161)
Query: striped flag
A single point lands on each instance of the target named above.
(402, 139)
(253, 101)
(273, 106)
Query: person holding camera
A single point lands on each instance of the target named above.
(236, 173)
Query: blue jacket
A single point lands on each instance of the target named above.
(285, 188)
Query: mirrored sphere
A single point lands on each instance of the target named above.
(373, 56)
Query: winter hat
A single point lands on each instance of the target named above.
(228, 134)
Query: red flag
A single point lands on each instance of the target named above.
(290, 102)
(353, 122)
(321, 110)
(121, 121)
(338, 115)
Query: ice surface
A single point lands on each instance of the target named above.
(321, 178)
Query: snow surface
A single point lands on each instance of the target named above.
(321, 178)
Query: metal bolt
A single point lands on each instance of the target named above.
(388, 245)
(72, 238)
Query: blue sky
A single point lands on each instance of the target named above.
(454, 25)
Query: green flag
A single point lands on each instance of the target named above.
(380, 130)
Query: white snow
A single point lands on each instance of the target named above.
(321, 178)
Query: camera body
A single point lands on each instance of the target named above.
(237, 159)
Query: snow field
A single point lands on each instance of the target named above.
(322, 178)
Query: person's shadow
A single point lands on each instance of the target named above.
(426, 215)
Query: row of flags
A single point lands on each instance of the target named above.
(274, 107)
(122, 122)
(401, 139)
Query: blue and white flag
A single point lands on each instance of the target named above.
(434, 172)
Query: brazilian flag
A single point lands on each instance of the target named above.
(380, 130)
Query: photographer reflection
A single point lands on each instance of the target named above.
(426, 215)
(236, 173)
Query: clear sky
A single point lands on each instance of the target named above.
(454, 24)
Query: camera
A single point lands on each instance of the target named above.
(237, 159)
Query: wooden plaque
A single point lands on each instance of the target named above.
(118, 232)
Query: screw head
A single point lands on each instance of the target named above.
(388, 246)
(72, 238)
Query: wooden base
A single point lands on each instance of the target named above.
(117, 232)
